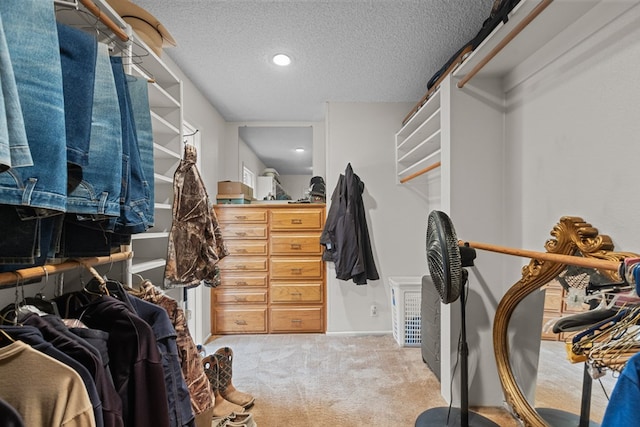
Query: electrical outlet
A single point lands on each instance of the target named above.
(374, 310)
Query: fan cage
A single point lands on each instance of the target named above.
(405, 312)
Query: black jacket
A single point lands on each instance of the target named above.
(345, 235)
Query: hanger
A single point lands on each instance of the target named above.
(605, 335)
(40, 302)
(5, 338)
(97, 286)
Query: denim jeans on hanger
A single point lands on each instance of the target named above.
(139, 92)
(32, 40)
(134, 195)
(40, 190)
(78, 51)
(14, 148)
(98, 194)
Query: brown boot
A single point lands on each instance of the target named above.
(221, 407)
(227, 390)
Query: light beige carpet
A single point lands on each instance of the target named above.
(314, 380)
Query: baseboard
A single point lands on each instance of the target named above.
(360, 333)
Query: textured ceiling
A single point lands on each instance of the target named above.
(342, 50)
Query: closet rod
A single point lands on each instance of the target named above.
(420, 172)
(516, 30)
(91, 7)
(578, 261)
(13, 277)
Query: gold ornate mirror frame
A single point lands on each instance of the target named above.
(571, 236)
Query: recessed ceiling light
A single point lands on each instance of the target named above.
(281, 59)
(299, 150)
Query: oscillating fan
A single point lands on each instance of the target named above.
(446, 260)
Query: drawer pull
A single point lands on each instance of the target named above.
(296, 293)
(296, 320)
(241, 322)
(296, 221)
(296, 271)
(241, 283)
(240, 299)
(241, 217)
(240, 233)
(296, 246)
(241, 250)
(241, 267)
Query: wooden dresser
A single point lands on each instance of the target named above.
(273, 281)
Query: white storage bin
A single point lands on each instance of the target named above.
(405, 310)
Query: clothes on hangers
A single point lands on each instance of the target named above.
(195, 243)
(202, 398)
(111, 406)
(31, 383)
(345, 236)
(78, 190)
(134, 359)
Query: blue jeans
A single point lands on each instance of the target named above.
(14, 148)
(138, 90)
(27, 242)
(78, 58)
(134, 194)
(98, 193)
(32, 40)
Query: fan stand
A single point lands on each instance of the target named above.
(445, 416)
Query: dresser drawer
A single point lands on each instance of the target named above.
(228, 279)
(242, 296)
(235, 263)
(229, 214)
(296, 219)
(295, 243)
(240, 320)
(553, 300)
(243, 231)
(296, 293)
(247, 247)
(296, 319)
(292, 268)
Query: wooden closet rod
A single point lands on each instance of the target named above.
(13, 277)
(420, 172)
(546, 256)
(91, 7)
(516, 30)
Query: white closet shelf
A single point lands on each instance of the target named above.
(427, 110)
(160, 98)
(142, 264)
(162, 125)
(165, 153)
(423, 162)
(162, 179)
(543, 40)
(147, 235)
(153, 67)
(164, 206)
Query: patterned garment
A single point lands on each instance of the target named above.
(202, 397)
(195, 241)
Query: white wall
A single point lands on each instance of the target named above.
(248, 159)
(295, 185)
(363, 134)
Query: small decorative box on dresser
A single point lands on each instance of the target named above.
(273, 281)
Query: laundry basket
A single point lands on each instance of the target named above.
(405, 310)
